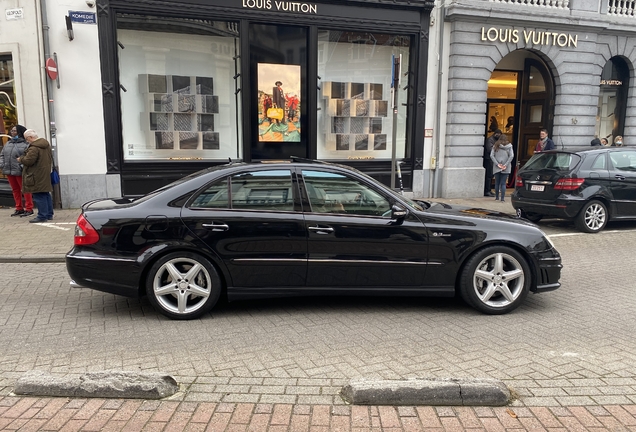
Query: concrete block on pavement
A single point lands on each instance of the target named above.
(482, 392)
(114, 384)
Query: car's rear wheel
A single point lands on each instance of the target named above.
(495, 280)
(183, 285)
(592, 218)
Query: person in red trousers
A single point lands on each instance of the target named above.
(13, 149)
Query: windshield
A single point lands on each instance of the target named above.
(553, 160)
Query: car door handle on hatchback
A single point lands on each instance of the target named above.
(619, 177)
(216, 227)
(321, 230)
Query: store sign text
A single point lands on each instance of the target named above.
(530, 37)
(612, 82)
(281, 6)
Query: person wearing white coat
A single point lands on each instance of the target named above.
(501, 156)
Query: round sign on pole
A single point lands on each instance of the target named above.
(51, 68)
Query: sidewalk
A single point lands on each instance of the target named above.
(33, 414)
(49, 242)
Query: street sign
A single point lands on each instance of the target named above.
(51, 68)
(14, 14)
(82, 17)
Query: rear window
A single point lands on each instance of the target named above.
(555, 161)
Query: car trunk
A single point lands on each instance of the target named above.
(538, 179)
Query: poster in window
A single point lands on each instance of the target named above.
(278, 102)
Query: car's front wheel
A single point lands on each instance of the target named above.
(495, 280)
(183, 285)
(592, 218)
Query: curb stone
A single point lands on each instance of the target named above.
(447, 392)
(113, 384)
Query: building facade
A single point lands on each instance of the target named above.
(147, 92)
(524, 65)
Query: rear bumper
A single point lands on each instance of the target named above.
(561, 208)
(114, 275)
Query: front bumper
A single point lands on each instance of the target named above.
(549, 273)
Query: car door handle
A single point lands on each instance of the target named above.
(216, 227)
(321, 230)
(619, 177)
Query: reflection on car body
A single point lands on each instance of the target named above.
(303, 228)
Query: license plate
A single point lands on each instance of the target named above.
(538, 188)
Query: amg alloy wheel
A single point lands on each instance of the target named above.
(495, 280)
(592, 218)
(183, 285)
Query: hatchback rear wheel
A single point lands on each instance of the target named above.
(592, 218)
(495, 280)
(183, 285)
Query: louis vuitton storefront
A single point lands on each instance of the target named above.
(187, 85)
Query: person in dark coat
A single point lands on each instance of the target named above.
(596, 142)
(278, 97)
(490, 141)
(10, 167)
(545, 143)
(36, 174)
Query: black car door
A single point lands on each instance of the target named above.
(353, 242)
(253, 221)
(623, 181)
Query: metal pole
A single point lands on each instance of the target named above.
(395, 86)
(57, 200)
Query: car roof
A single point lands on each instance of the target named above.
(586, 150)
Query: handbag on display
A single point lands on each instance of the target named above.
(275, 113)
(55, 176)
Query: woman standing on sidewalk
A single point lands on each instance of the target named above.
(13, 149)
(501, 156)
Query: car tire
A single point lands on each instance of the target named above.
(195, 292)
(592, 218)
(532, 217)
(495, 280)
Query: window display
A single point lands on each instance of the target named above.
(355, 95)
(179, 92)
(278, 102)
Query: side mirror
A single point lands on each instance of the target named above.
(398, 212)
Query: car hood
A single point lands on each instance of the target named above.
(464, 211)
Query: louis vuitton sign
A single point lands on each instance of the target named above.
(530, 37)
(281, 6)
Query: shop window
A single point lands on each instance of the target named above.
(179, 84)
(612, 100)
(8, 112)
(355, 71)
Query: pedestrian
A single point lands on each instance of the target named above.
(544, 143)
(604, 142)
(36, 174)
(10, 167)
(488, 145)
(596, 142)
(501, 156)
(618, 141)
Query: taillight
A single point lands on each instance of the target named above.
(569, 183)
(519, 182)
(85, 234)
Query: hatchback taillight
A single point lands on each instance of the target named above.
(519, 182)
(569, 183)
(85, 234)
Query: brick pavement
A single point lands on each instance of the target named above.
(61, 414)
(570, 354)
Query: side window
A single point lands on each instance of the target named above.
(336, 193)
(263, 190)
(624, 160)
(599, 162)
(214, 196)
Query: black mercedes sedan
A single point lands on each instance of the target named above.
(301, 227)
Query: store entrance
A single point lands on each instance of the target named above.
(277, 112)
